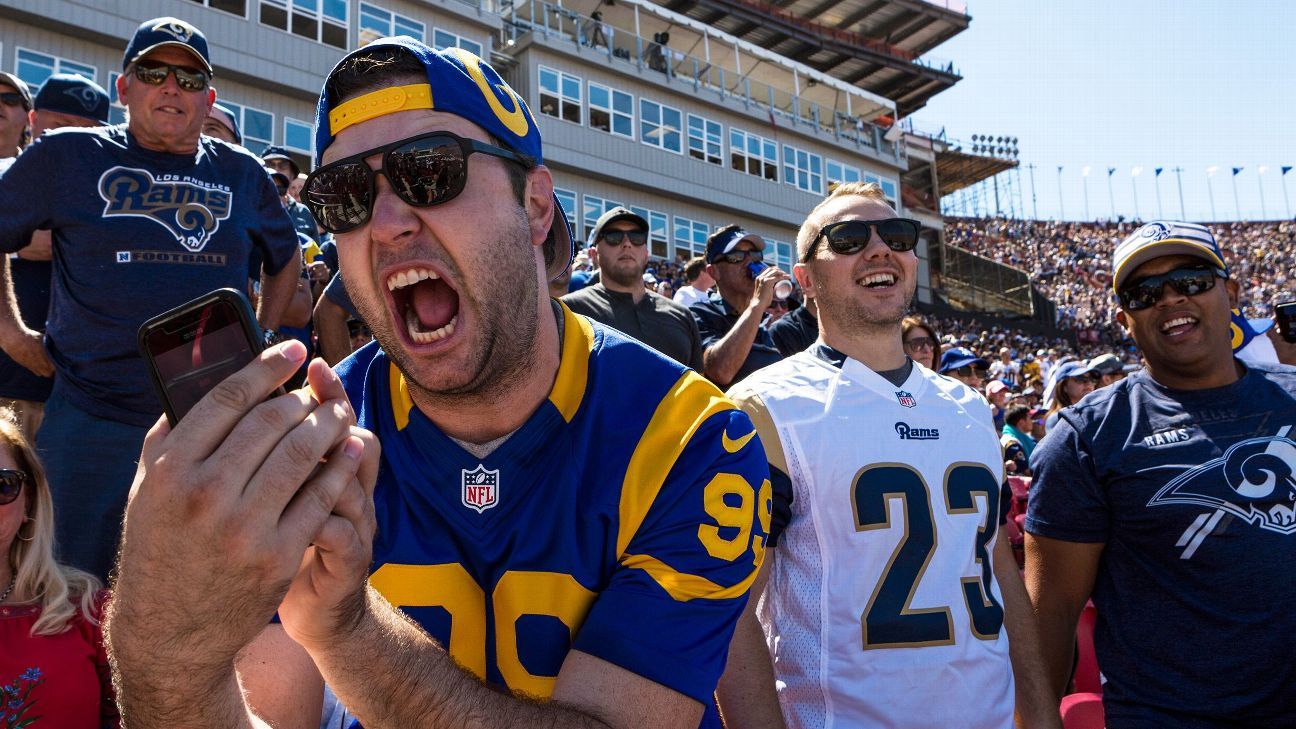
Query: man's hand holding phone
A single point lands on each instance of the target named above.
(223, 509)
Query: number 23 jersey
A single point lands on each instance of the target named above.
(881, 609)
(626, 519)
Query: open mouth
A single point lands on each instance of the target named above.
(1178, 326)
(428, 306)
(878, 281)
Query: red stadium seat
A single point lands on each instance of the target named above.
(1088, 679)
(1082, 711)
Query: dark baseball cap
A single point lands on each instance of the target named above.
(167, 31)
(276, 152)
(71, 93)
(20, 86)
(612, 216)
(952, 359)
(721, 243)
(229, 116)
(459, 83)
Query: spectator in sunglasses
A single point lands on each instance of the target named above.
(53, 658)
(143, 216)
(1167, 498)
(797, 329)
(921, 342)
(963, 365)
(64, 100)
(539, 471)
(622, 298)
(15, 102)
(734, 344)
(1068, 383)
(853, 410)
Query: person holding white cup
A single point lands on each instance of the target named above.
(734, 344)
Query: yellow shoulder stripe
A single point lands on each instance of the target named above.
(573, 369)
(684, 587)
(752, 404)
(690, 401)
(401, 401)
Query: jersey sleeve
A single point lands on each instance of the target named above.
(25, 199)
(1066, 500)
(681, 581)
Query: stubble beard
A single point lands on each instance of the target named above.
(623, 275)
(857, 319)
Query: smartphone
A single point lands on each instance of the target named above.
(1284, 313)
(194, 346)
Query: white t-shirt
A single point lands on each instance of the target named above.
(689, 295)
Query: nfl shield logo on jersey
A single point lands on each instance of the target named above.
(480, 488)
(906, 399)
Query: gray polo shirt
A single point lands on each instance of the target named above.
(656, 320)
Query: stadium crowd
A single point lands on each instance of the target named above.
(183, 543)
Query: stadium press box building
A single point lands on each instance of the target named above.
(657, 108)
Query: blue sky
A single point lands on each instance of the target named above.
(1137, 83)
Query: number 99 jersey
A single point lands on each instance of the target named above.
(881, 609)
(625, 519)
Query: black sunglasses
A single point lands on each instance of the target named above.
(11, 483)
(637, 238)
(1187, 280)
(425, 170)
(13, 98)
(968, 371)
(919, 343)
(847, 237)
(740, 256)
(154, 73)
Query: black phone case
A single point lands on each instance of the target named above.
(231, 296)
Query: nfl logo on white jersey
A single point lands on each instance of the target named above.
(906, 399)
(480, 488)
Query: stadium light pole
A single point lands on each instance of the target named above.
(1085, 174)
(1179, 176)
(1264, 214)
(1210, 190)
(1134, 175)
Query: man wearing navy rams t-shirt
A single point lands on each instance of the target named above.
(144, 216)
(1168, 497)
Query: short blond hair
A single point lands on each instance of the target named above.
(810, 228)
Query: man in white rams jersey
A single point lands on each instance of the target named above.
(888, 601)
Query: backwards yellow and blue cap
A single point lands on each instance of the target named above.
(459, 83)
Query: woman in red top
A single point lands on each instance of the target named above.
(53, 670)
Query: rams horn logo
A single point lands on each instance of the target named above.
(177, 29)
(188, 211)
(86, 97)
(1254, 480)
(1156, 231)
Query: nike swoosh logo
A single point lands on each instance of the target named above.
(733, 446)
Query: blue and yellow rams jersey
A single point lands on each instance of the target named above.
(626, 519)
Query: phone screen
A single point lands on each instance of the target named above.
(194, 352)
(1284, 312)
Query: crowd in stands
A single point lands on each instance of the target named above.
(1070, 263)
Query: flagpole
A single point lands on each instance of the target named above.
(1178, 176)
(1286, 199)
(1134, 173)
(1061, 207)
(1264, 214)
(1111, 193)
(1157, 183)
(1210, 190)
(1237, 202)
(1034, 204)
(1085, 175)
